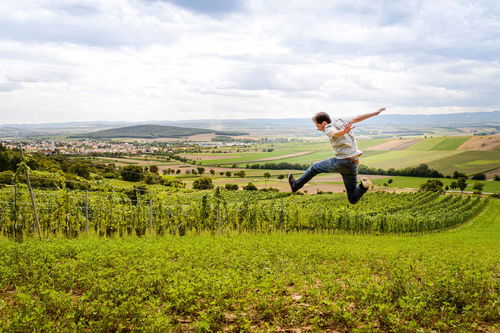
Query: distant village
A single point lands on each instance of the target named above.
(84, 147)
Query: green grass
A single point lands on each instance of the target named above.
(450, 143)
(444, 282)
(404, 158)
(425, 144)
(468, 162)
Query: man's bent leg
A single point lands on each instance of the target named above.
(313, 170)
(354, 191)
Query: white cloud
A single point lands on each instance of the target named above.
(143, 59)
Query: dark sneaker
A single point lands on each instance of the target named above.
(366, 182)
(291, 181)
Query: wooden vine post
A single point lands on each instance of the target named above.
(87, 212)
(150, 213)
(36, 225)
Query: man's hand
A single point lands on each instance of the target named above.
(348, 127)
(379, 110)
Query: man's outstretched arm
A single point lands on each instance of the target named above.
(362, 117)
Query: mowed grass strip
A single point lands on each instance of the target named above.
(436, 282)
(405, 158)
(450, 143)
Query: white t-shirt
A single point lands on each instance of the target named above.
(345, 146)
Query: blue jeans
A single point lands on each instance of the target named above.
(348, 170)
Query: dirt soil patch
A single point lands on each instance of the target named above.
(400, 144)
(491, 174)
(487, 142)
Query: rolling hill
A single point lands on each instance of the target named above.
(151, 132)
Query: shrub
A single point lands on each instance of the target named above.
(7, 177)
(81, 169)
(457, 175)
(170, 181)
(250, 187)
(479, 176)
(132, 173)
(269, 189)
(203, 183)
(153, 169)
(478, 188)
(231, 187)
(240, 174)
(152, 178)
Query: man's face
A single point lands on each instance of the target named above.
(320, 127)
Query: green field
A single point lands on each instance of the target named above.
(439, 153)
(450, 143)
(403, 158)
(468, 162)
(437, 282)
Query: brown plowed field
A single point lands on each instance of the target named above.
(487, 142)
(491, 174)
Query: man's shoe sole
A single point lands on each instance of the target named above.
(291, 181)
(366, 182)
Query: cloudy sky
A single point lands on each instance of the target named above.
(139, 60)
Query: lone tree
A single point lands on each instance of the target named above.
(250, 187)
(203, 183)
(231, 187)
(212, 172)
(433, 185)
(267, 175)
(201, 170)
(462, 183)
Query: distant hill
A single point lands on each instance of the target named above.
(490, 119)
(151, 132)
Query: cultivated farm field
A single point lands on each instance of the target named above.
(466, 154)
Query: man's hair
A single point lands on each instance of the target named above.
(320, 117)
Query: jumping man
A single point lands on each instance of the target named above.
(346, 158)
